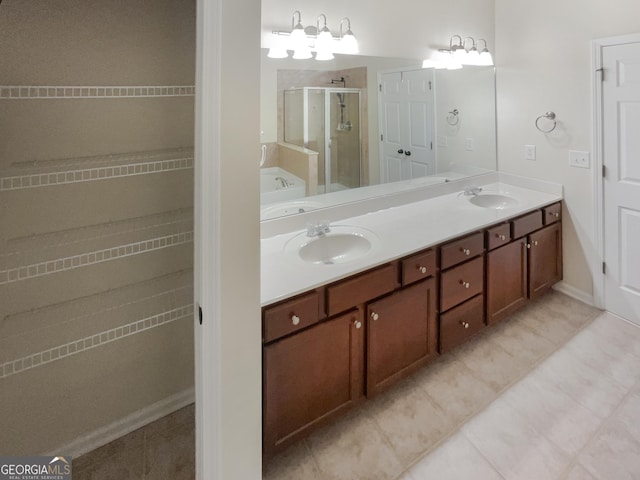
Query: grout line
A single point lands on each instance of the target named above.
(29, 362)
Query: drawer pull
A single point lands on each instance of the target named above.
(374, 316)
(358, 324)
(466, 251)
(422, 269)
(464, 324)
(501, 237)
(528, 245)
(556, 214)
(465, 284)
(535, 242)
(295, 319)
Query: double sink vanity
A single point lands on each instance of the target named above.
(358, 300)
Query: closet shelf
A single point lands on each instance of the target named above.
(51, 253)
(35, 92)
(43, 173)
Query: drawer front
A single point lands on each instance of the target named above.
(552, 213)
(460, 250)
(498, 236)
(461, 323)
(419, 266)
(526, 224)
(289, 316)
(461, 283)
(361, 288)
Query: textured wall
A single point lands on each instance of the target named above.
(96, 214)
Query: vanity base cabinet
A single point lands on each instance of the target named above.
(545, 259)
(401, 334)
(506, 280)
(311, 377)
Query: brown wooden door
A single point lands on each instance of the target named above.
(545, 259)
(310, 377)
(506, 280)
(402, 334)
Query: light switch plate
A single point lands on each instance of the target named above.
(529, 152)
(579, 159)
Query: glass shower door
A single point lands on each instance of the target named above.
(344, 142)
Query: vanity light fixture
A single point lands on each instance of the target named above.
(302, 41)
(458, 55)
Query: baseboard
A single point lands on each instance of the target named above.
(574, 292)
(128, 424)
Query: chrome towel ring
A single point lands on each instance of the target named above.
(549, 116)
(452, 118)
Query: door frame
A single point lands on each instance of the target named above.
(597, 261)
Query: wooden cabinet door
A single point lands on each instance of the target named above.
(310, 377)
(545, 259)
(506, 280)
(402, 334)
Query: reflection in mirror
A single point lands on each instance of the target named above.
(359, 127)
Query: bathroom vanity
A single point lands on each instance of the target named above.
(328, 348)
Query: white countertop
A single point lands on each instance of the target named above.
(400, 231)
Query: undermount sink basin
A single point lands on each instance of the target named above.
(341, 245)
(493, 200)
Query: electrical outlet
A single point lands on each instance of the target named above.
(529, 152)
(579, 159)
(468, 144)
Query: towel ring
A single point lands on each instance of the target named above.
(452, 118)
(549, 116)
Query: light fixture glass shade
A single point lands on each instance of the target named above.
(349, 43)
(298, 37)
(324, 45)
(485, 58)
(277, 52)
(302, 53)
(473, 57)
(460, 54)
(453, 64)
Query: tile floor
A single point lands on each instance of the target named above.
(552, 393)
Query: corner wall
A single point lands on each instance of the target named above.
(543, 59)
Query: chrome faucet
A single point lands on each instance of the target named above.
(283, 182)
(319, 229)
(472, 190)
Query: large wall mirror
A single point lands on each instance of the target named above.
(358, 127)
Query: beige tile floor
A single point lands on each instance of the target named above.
(552, 393)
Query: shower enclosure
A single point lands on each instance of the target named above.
(327, 121)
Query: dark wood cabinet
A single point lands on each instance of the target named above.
(545, 259)
(506, 280)
(460, 323)
(311, 377)
(401, 335)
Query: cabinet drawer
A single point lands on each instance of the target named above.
(419, 266)
(361, 288)
(526, 224)
(458, 251)
(498, 236)
(461, 323)
(461, 283)
(552, 213)
(289, 316)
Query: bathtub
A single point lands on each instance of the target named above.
(273, 189)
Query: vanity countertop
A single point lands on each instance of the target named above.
(400, 231)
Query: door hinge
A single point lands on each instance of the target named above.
(431, 145)
(601, 70)
(380, 86)
(200, 314)
(382, 137)
(604, 171)
(429, 84)
(604, 268)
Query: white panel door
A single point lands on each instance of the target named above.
(621, 148)
(407, 125)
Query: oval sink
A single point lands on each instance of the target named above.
(493, 200)
(341, 245)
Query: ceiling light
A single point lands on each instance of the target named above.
(324, 40)
(348, 41)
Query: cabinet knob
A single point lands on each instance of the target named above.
(556, 214)
(464, 324)
(501, 237)
(465, 284)
(374, 316)
(528, 245)
(535, 242)
(295, 319)
(466, 251)
(422, 269)
(358, 324)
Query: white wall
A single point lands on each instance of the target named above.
(543, 59)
